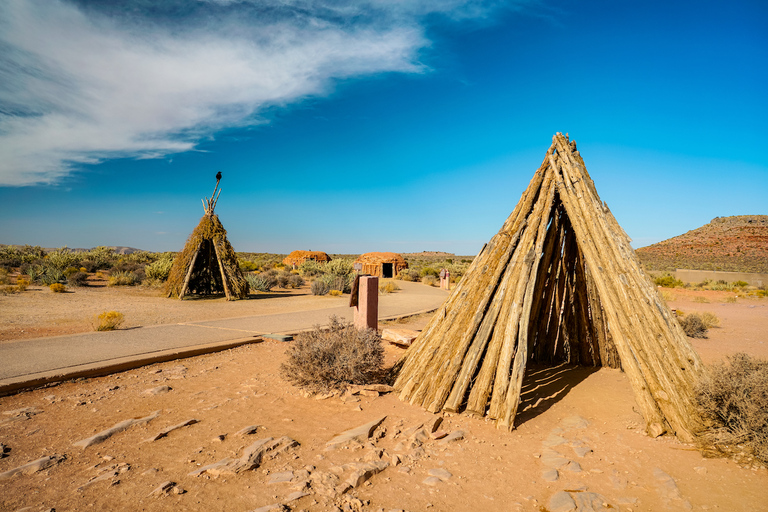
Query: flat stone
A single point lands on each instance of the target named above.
(34, 466)
(550, 475)
(700, 470)
(573, 467)
(247, 431)
(431, 481)
(561, 502)
(574, 422)
(295, 496)
(442, 474)
(666, 485)
(400, 337)
(365, 471)
(24, 411)
(554, 440)
(456, 435)
(281, 477)
(159, 390)
(163, 489)
(593, 502)
(433, 424)
(358, 434)
(552, 459)
(438, 435)
(581, 451)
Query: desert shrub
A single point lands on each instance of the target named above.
(17, 256)
(159, 270)
(388, 287)
(260, 282)
(121, 278)
(700, 299)
(730, 300)
(127, 266)
(429, 271)
(8, 290)
(429, 280)
(51, 275)
(108, 321)
(295, 281)
(247, 265)
(89, 265)
(58, 288)
(21, 284)
(324, 359)
(63, 258)
(319, 287)
(70, 270)
(667, 296)
(311, 268)
(335, 293)
(693, 325)
(668, 281)
(34, 272)
(77, 279)
(4, 277)
(710, 319)
(408, 275)
(140, 257)
(740, 284)
(343, 283)
(733, 401)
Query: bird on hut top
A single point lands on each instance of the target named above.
(218, 176)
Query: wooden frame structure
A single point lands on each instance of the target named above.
(208, 263)
(558, 282)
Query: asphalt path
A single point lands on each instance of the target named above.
(37, 361)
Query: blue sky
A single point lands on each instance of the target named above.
(361, 125)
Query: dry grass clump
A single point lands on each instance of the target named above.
(108, 321)
(329, 359)
(429, 280)
(693, 325)
(388, 287)
(733, 400)
(667, 296)
(123, 278)
(58, 288)
(335, 293)
(710, 319)
(730, 300)
(700, 299)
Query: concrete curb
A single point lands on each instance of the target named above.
(101, 368)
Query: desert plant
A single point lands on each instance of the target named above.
(21, 284)
(52, 275)
(295, 281)
(108, 321)
(740, 284)
(4, 277)
(77, 279)
(319, 287)
(260, 282)
(429, 280)
(58, 288)
(121, 278)
(693, 325)
(667, 296)
(247, 265)
(701, 300)
(730, 300)
(668, 281)
(63, 258)
(311, 268)
(388, 287)
(710, 319)
(325, 359)
(34, 272)
(335, 293)
(160, 269)
(339, 282)
(408, 275)
(733, 400)
(429, 271)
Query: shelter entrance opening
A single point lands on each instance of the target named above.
(386, 270)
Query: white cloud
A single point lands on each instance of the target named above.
(79, 86)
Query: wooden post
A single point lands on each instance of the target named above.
(189, 273)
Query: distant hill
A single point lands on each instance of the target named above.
(732, 244)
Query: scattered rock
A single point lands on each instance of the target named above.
(456, 435)
(433, 424)
(34, 466)
(554, 440)
(281, 477)
(295, 496)
(561, 502)
(667, 486)
(167, 488)
(550, 475)
(431, 481)
(251, 458)
(581, 451)
(247, 431)
(552, 459)
(168, 430)
(573, 467)
(123, 425)
(159, 390)
(438, 435)
(364, 471)
(591, 501)
(400, 337)
(356, 435)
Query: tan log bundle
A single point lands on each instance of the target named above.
(559, 281)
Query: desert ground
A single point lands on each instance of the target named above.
(579, 441)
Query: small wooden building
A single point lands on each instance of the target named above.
(382, 264)
(296, 258)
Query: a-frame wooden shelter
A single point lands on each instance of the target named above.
(558, 282)
(208, 263)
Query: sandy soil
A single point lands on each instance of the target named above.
(582, 421)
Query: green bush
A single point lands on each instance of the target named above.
(260, 282)
(311, 268)
(16, 257)
(343, 283)
(123, 278)
(429, 280)
(668, 281)
(63, 258)
(733, 400)
(247, 265)
(326, 359)
(159, 270)
(52, 275)
(58, 288)
(429, 271)
(740, 284)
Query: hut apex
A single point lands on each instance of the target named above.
(208, 264)
(382, 264)
(558, 283)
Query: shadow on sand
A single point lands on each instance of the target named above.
(544, 386)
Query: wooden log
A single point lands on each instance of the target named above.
(224, 278)
(184, 286)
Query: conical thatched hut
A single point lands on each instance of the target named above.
(382, 264)
(559, 282)
(208, 263)
(296, 258)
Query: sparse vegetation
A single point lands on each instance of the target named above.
(58, 288)
(733, 400)
(319, 287)
(388, 286)
(667, 296)
(328, 359)
(77, 279)
(123, 278)
(108, 321)
(668, 281)
(429, 280)
(700, 299)
(261, 282)
(160, 269)
(693, 325)
(335, 293)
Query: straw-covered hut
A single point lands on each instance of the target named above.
(296, 258)
(382, 264)
(208, 263)
(559, 282)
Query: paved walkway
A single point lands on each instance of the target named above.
(33, 362)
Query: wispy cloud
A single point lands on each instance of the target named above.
(79, 84)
